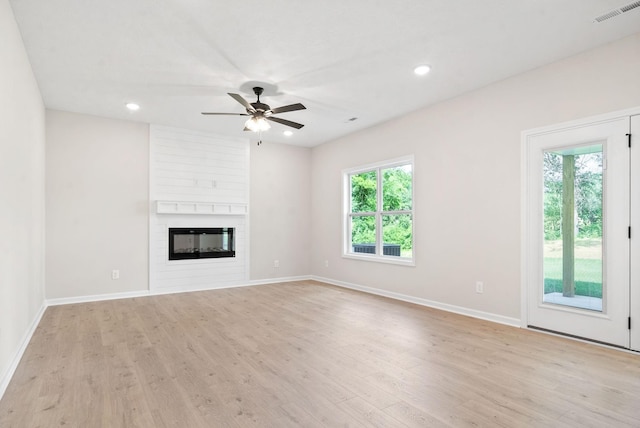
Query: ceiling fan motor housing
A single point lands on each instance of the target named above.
(260, 107)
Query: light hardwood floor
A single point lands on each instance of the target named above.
(307, 355)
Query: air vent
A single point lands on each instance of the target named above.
(608, 15)
(615, 12)
(630, 6)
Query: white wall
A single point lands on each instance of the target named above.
(97, 193)
(467, 178)
(22, 137)
(97, 173)
(280, 210)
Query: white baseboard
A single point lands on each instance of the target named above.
(172, 290)
(96, 298)
(514, 322)
(282, 279)
(8, 374)
(176, 290)
(249, 283)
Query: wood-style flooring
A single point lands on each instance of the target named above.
(305, 354)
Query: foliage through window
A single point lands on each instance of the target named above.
(379, 212)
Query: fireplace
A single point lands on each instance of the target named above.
(201, 243)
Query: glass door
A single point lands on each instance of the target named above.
(577, 203)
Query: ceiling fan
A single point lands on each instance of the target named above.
(261, 113)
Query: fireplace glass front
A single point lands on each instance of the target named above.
(201, 243)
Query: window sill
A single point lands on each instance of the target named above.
(381, 259)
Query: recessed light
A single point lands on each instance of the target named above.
(133, 106)
(421, 70)
(288, 133)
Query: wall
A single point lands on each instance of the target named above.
(22, 138)
(97, 185)
(111, 157)
(280, 211)
(467, 179)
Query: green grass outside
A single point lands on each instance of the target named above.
(588, 276)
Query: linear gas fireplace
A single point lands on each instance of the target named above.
(201, 243)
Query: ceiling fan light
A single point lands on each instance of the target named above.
(257, 124)
(264, 125)
(421, 70)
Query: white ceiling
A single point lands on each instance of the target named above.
(340, 58)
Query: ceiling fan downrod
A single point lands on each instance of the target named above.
(258, 91)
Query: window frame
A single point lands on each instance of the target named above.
(347, 214)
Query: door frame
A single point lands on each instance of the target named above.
(634, 302)
(527, 263)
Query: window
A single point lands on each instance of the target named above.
(378, 206)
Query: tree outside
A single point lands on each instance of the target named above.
(588, 195)
(587, 218)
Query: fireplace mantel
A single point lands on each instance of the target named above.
(200, 208)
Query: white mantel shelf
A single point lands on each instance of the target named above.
(200, 208)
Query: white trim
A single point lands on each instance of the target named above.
(96, 298)
(177, 290)
(172, 290)
(634, 304)
(365, 257)
(250, 283)
(200, 208)
(379, 213)
(279, 280)
(11, 369)
(524, 229)
(581, 122)
(390, 163)
(526, 232)
(150, 213)
(500, 319)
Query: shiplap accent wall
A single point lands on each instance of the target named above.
(190, 168)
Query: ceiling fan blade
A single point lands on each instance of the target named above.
(285, 122)
(290, 107)
(242, 101)
(225, 114)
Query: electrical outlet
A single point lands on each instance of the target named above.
(276, 263)
(479, 287)
(115, 274)
(326, 263)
